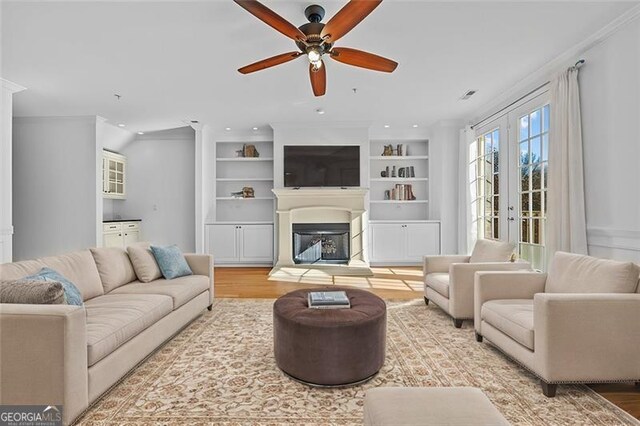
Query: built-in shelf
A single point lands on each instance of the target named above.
(399, 179)
(256, 179)
(399, 157)
(243, 199)
(399, 201)
(234, 174)
(245, 159)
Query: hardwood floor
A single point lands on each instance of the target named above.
(389, 283)
(255, 283)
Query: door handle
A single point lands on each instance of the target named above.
(512, 219)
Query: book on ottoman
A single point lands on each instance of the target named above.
(328, 300)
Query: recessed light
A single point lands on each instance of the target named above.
(414, 126)
(141, 133)
(121, 125)
(227, 128)
(255, 128)
(386, 126)
(320, 111)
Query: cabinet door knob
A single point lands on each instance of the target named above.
(119, 235)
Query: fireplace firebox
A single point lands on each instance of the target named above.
(315, 243)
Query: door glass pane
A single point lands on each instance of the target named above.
(533, 151)
(524, 128)
(536, 147)
(536, 177)
(485, 185)
(534, 122)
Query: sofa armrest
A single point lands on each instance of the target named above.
(202, 264)
(461, 283)
(505, 285)
(433, 264)
(587, 337)
(43, 357)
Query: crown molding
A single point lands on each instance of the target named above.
(565, 59)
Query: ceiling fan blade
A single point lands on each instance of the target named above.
(361, 59)
(269, 62)
(318, 79)
(272, 19)
(347, 18)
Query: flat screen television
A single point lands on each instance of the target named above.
(311, 165)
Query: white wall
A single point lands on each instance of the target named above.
(161, 186)
(610, 96)
(54, 185)
(610, 105)
(443, 177)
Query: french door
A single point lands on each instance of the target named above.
(508, 173)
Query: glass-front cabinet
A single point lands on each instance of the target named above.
(114, 168)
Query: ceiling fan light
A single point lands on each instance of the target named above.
(313, 55)
(316, 65)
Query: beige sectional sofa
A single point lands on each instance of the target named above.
(70, 355)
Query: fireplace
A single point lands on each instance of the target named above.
(318, 243)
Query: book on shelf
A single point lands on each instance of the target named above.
(328, 300)
(402, 192)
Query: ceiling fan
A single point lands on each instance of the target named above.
(316, 39)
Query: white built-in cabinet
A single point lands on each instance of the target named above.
(242, 232)
(403, 242)
(240, 244)
(114, 172)
(400, 232)
(120, 234)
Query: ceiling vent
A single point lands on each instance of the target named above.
(467, 95)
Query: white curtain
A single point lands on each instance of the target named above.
(567, 229)
(467, 233)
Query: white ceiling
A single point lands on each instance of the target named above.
(176, 61)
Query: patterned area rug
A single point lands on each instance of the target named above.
(221, 370)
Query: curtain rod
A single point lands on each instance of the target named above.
(577, 65)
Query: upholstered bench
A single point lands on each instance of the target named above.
(430, 406)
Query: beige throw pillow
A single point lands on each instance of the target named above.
(576, 273)
(32, 292)
(144, 262)
(114, 267)
(491, 251)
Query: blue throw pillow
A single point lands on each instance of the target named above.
(71, 293)
(171, 261)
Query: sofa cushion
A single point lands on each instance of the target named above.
(32, 292)
(491, 251)
(79, 268)
(181, 290)
(513, 317)
(439, 282)
(114, 267)
(575, 273)
(17, 270)
(144, 263)
(114, 319)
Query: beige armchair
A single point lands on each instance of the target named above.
(580, 323)
(448, 280)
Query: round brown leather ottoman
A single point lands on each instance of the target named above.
(330, 347)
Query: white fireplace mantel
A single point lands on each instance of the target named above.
(322, 205)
